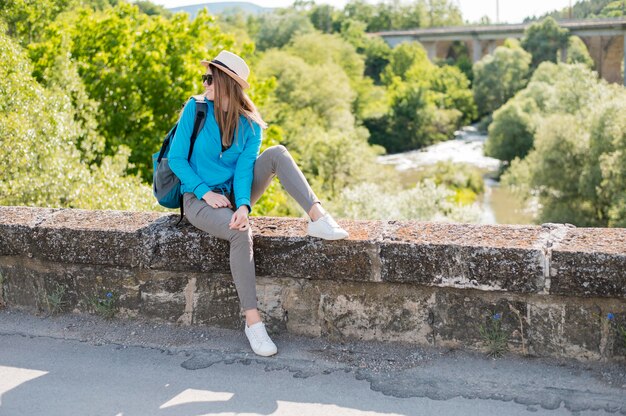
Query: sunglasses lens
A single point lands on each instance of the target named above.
(208, 78)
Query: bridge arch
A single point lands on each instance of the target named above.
(604, 38)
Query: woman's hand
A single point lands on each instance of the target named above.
(239, 220)
(216, 200)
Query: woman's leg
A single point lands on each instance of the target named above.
(276, 161)
(215, 222)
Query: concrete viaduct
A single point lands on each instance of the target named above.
(605, 39)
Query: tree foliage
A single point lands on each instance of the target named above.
(543, 40)
(499, 76)
(113, 76)
(139, 68)
(38, 129)
(577, 52)
(576, 166)
(589, 9)
(426, 201)
(428, 102)
(277, 29)
(312, 103)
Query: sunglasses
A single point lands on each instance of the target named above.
(208, 78)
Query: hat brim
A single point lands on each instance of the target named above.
(244, 84)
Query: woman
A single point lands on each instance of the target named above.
(226, 176)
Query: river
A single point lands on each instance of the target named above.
(498, 206)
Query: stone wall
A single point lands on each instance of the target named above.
(425, 283)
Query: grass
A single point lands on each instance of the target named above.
(105, 306)
(56, 299)
(494, 337)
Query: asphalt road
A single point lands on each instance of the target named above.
(83, 365)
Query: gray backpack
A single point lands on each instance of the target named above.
(165, 184)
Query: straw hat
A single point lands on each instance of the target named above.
(232, 65)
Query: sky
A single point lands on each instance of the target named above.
(511, 11)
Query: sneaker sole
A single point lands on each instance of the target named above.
(333, 238)
(267, 354)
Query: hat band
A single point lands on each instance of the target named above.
(215, 61)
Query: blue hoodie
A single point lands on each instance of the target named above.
(210, 168)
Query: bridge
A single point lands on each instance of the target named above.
(605, 39)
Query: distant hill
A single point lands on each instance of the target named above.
(217, 8)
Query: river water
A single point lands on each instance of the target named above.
(498, 206)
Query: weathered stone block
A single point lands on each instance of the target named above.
(92, 237)
(184, 247)
(374, 311)
(16, 225)
(23, 287)
(29, 282)
(590, 262)
(271, 295)
(459, 314)
(95, 282)
(301, 305)
(502, 258)
(217, 302)
(163, 294)
(283, 249)
(565, 328)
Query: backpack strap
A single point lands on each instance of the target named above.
(201, 112)
(198, 123)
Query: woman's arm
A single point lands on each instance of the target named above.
(245, 166)
(179, 151)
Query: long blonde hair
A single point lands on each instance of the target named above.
(239, 103)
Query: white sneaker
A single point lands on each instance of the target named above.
(259, 340)
(326, 228)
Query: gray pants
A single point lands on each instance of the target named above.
(274, 161)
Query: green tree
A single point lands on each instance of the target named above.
(615, 8)
(139, 69)
(39, 129)
(277, 29)
(575, 167)
(426, 201)
(152, 9)
(511, 134)
(374, 48)
(555, 165)
(361, 11)
(323, 49)
(27, 19)
(604, 177)
(590, 9)
(395, 15)
(577, 52)
(451, 91)
(544, 40)
(443, 13)
(428, 102)
(377, 53)
(458, 55)
(405, 57)
(410, 123)
(499, 76)
(324, 18)
(312, 104)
